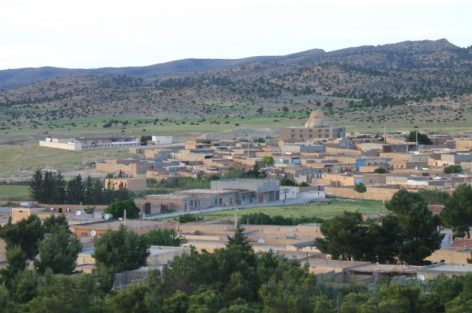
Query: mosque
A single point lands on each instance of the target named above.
(317, 128)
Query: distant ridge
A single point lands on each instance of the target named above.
(12, 78)
(366, 76)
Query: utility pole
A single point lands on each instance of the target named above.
(416, 140)
(235, 218)
(385, 131)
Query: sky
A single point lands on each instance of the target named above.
(102, 33)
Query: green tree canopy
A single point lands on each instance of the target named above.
(164, 237)
(121, 250)
(117, 209)
(58, 251)
(360, 187)
(268, 161)
(417, 227)
(381, 170)
(457, 212)
(346, 237)
(25, 234)
(423, 139)
(453, 169)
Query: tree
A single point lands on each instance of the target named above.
(121, 250)
(457, 212)
(423, 139)
(417, 227)
(89, 196)
(25, 234)
(164, 237)
(144, 139)
(72, 294)
(117, 209)
(453, 169)
(345, 237)
(381, 170)
(360, 187)
(58, 251)
(434, 196)
(36, 186)
(205, 301)
(75, 190)
(129, 300)
(53, 222)
(177, 303)
(268, 161)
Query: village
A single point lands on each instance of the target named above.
(302, 165)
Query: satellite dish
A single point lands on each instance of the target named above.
(78, 212)
(93, 233)
(421, 277)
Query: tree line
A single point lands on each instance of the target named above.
(265, 219)
(407, 234)
(50, 187)
(234, 279)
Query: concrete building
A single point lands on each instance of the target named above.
(188, 200)
(160, 140)
(88, 143)
(316, 128)
(130, 168)
(264, 190)
(442, 269)
(64, 144)
(131, 184)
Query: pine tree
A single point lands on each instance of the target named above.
(36, 186)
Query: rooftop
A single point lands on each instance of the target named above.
(449, 268)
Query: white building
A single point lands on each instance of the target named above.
(65, 144)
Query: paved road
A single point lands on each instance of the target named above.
(303, 197)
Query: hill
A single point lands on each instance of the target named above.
(367, 83)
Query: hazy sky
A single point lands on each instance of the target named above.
(97, 33)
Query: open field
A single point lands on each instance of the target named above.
(441, 114)
(18, 162)
(14, 192)
(323, 209)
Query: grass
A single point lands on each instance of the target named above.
(325, 209)
(20, 161)
(14, 193)
(399, 118)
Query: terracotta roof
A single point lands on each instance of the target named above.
(462, 243)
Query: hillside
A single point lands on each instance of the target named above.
(390, 79)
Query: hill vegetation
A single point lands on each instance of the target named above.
(397, 80)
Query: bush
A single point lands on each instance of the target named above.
(381, 170)
(360, 187)
(452, 169)
(117, 209)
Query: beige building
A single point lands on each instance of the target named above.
(130, 168)
(316, 128)
(131, 184)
